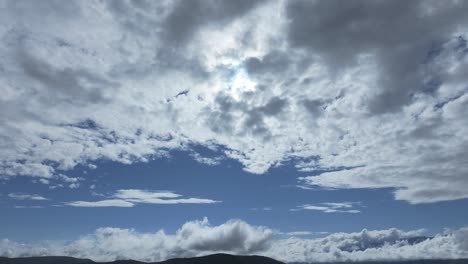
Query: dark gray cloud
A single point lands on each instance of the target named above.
(273, 63)
(67, 84)
(400, 35)
(229, 111)
(314, 107)
(185, 18)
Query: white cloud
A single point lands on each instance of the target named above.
(299, 233)
(391, 244)
(144, 195)
(263, 83)
(102, 203)
(267, 208)
(24, 196)
(192, 239)
(210, 161)
(343, 207)
(131, 197)
(197, 238)
(31, 206)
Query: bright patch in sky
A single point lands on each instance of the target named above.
(241, 83)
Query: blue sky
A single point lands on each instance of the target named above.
(242, 195)
(300, 130)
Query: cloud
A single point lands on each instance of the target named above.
(28, 207)
(197, 238)
(192, 239)
(300, 233)
(344, 207)
(24, 196)
(262, 208)
(381, 245)
(261, 82)
(131, 197)
(102, 203)
(210, 161)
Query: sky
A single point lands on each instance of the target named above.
(299, 130)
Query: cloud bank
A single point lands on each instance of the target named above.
(373, 93)
(192, 239)
(238, 237)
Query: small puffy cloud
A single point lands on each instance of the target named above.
(344, 207)
(131, 197)
(24, 196)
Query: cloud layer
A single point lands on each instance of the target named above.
(235, 236)
(374, 93)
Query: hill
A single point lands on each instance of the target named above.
(210, 259)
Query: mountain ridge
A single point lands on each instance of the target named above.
(211, 259)
(208, 259)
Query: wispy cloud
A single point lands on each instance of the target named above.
(268, 208)
(25, 196)
(28, 207)
(299, 233)
(343, 207)
(210, 161)
(131, 197)
(102, 203)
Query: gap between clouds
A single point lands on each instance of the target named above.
(197, 238)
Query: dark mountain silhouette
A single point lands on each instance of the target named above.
(210, 259)
(223, 258)
(45, 260)
(421, 261)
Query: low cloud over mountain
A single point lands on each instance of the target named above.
(197, 238)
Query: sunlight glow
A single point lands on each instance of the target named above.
(241, 83)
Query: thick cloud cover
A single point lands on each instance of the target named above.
(372, 92)
(235, 236)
